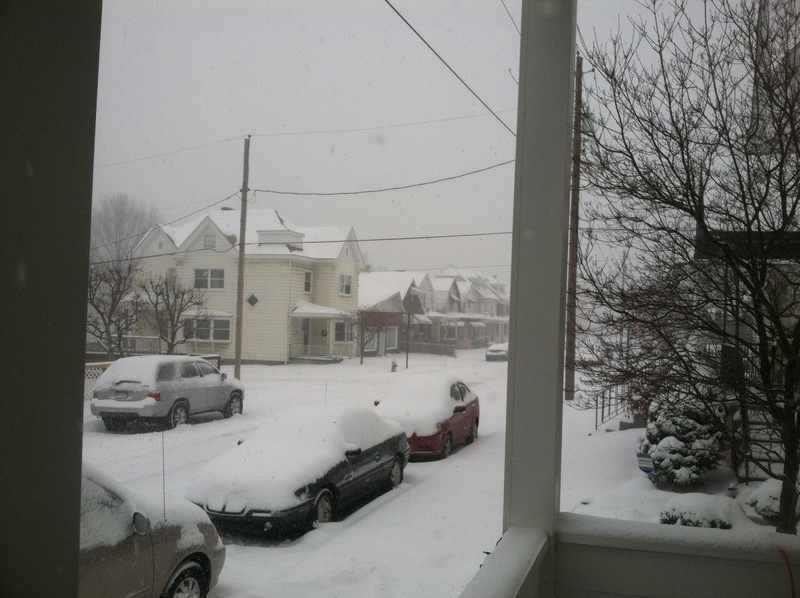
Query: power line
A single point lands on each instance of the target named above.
(444, 62)
(359, 241)
(510, 17)
(293, 133)
(178, 151)
(378, 128)
(396, 188)
(164, 224)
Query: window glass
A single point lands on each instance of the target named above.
(391, 337)
(205, 368)
(371, 343)
(344, 284)
(189, 370)
(166, 371)
(217, 279)
(307, 282)
(340, 332)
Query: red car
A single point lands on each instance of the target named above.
(434, 424)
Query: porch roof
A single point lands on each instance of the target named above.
(304, 309)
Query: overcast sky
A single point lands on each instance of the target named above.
(338, 96)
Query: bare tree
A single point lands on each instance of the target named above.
(118, 224)
(694, 152)
(113, 309)
(168, 307)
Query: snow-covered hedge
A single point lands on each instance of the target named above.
(765, 499)
(703, 510)
(683, 440)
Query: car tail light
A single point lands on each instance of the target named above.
(155, 394)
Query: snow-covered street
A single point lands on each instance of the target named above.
(429, 536)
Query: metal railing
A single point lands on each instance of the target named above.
(609, 406)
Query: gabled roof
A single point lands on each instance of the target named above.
(268, 233)
(376, 287)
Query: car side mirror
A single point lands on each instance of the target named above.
(140, 523)
(224, 376)
(350, 454)
(459, 408)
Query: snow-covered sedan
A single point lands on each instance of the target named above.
(434, 419)
(131, 545)
(497, 352)
(300, 468)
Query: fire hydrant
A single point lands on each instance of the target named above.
(394, 365)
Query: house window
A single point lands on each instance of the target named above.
(345, 281)
(391, 337)
(342, 332)
(208, 329)
(209, 241)
(371, 337)
(207, 278)
(450, 332)
(307, 280)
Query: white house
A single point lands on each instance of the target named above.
(300, 283)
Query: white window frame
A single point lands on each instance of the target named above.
(391, 330)
(308, 282)
(345, 284)
(372, 343)
(214, 325)
(209, 241)
(210, 281)
(348, 332)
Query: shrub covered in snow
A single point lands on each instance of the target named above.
(702, 510)
(683, 440)
(765, 499)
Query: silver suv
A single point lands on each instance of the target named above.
(166, 388)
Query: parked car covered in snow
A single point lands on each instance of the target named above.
(497, 352)
(300, 468)
(167, 388)
(134, 546)
(435, 420)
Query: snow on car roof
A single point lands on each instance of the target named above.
(140, 368)
(290, 450)
(418, 407)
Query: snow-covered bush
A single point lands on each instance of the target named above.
(765, 499)
(683, 440)
(703, 510)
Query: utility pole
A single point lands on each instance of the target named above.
(237, 368)
(574, 217)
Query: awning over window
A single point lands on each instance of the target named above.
(420, 319)
(304, 309)
(477, 324)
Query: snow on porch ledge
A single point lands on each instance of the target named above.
(304, 309)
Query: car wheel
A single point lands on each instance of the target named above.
(114, 424)
(447, 446)
(323, 508)
(179, 414)
(396, 473)
(234, 405)
(473, 435)
(188, 581)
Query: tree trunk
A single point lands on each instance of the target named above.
(787, 511)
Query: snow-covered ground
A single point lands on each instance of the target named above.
(429, 536)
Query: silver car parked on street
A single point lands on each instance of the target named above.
(166, 388)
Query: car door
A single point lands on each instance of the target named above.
(114, 559)
(460, 422)
(193, 389)
(472, 409)
(216, 392)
